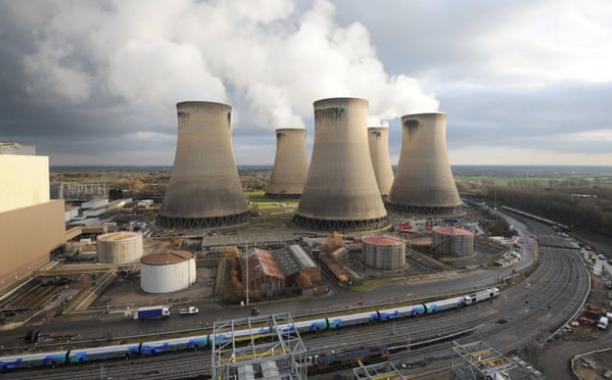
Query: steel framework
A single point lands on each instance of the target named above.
(478, 360)
(378, 371)
(272, 348)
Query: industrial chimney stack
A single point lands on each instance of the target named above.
(424, 182)
(378, 138)
(341, 192)
(204, 189)
(290, 165)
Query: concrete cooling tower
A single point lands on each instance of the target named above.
(290, 165)
(378, 138)
(424, 182)
(341, 192)
(204, 189)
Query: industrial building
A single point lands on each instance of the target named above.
(297, 266)
(341, 192)
(168, 271)
(264, 276)
(384, 252)
(119, 247)
(378, 139)
(290, 164)
(204, 189)
(31, 225)
(424, 182)
(452, 241)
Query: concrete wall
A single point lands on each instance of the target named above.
(27, 235)
(24, 181)
(290, 164)
(341, 192)
(378, 139)
(204, 188)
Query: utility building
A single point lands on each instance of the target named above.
(378, 139)
(424, 182)
(290, 165)
(341, 192)
(204, 189)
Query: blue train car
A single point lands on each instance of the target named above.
(443, 305)
(401, 312)
(154, 348)
(352, 319)
(84, 355)
(41, 359)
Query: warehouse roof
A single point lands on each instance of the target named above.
(261, 263)
(166, 258)
(302, 258)
(383, 240)
(286, 262)
(451, 230)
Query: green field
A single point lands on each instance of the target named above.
(266, 205)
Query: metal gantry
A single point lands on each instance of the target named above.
(378, 371)
(478, 360)
(267, 347)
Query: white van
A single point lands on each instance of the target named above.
(603, 323)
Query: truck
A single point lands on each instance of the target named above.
(603, 323)
(191, 310)
(150, 312)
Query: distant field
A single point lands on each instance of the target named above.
(268, 205)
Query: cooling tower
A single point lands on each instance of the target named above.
(204, 189)
(424, 182)
(341, 192)
(290, 165)
(378, 138)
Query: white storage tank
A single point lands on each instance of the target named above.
(167, 271)
(384, 252)
(452, 241)
(119, 247)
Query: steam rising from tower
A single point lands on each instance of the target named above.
(341, 192)
(290, 165)
(204, 189)
(424, 182)
(378, 138)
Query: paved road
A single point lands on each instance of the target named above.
(559, 281)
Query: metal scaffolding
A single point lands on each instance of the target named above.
(378, 371)
(266, 347)
(478, 360)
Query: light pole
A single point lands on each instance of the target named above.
(246, 263)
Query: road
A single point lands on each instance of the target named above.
(517, 317)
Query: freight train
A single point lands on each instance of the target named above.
(147, 348)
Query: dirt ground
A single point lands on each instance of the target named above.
(597, 366)
(127, 292)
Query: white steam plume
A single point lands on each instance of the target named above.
(151, 54)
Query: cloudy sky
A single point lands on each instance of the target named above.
(96, 82)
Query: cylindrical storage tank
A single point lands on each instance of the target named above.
(384, 252)
(452, 241)
(290, 164)
(424, 182)
(378, 139)
(119, 247)
(341, 192)
(167, 271)
(204, 189)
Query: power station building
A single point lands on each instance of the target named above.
(31, 225)
(290, 164)
(378, 139)
(119, 247)
(166, 272)
(384, 252)
(424, 182)
(204, 189)
(452, 241)
(341, 192)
